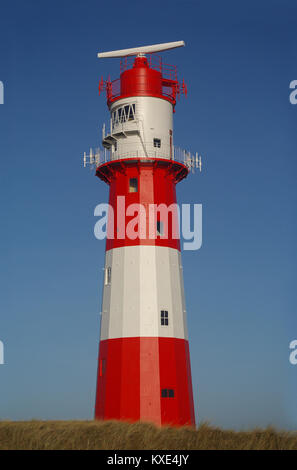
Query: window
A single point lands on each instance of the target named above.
(115, 146)
(160, 228)
(107, 276)
(131, 115)
(164, 317)
(123, 114)
(157, 143)
(133, 185)
(126, 110)
(102, 367)
(167, 393)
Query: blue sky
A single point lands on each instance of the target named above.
(240, 286)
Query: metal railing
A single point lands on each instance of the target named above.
(171, 88)
(113, 89)
(99, 156)
(154, 62)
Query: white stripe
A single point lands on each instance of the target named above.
(144, 281)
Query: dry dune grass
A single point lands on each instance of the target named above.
(115, 435)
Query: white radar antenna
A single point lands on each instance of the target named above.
(139, 51)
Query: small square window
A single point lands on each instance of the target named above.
(157, 143)
(167, 393)
(133, 185)
(164, 318)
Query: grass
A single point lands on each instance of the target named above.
(116, 435)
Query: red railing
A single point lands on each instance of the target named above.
(171, 88)
(155, 61)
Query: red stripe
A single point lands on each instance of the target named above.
(189, 382)
(150, 406)
(137, 369)
(129, 379)
(156, 185)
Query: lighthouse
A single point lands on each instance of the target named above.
(144, 370)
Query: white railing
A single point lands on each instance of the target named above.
(98, 156)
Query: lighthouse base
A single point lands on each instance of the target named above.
(147, 379)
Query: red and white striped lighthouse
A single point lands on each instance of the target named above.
(144, 368)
